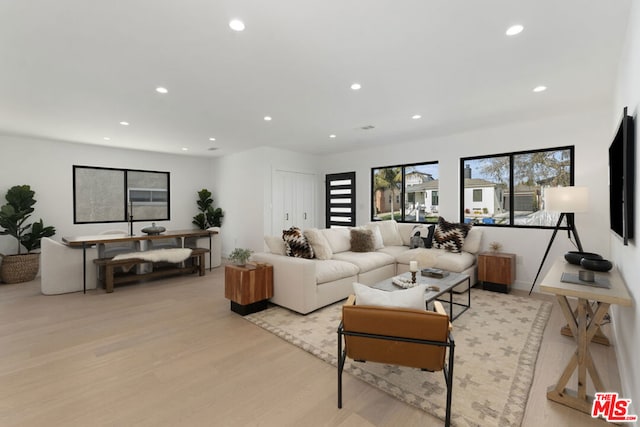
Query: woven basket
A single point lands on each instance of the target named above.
(19, 268)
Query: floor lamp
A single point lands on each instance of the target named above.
(567, 201)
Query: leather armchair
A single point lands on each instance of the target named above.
(397, 336)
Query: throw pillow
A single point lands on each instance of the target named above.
(377, 236)
(296, 244)
(362, 240)
(416, 241)
(426, 233)
(405, 298)
(276, 245)
(318, 243)
(450, 235)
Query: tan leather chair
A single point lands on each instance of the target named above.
(397, 336)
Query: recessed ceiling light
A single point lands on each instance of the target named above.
(185, 149)
(514, 29)
(416, 116)
(212, 139)
(356, 86)
(539, 88)
(124, 123)
(162, 90)
(332, 136)
(236, 25)
(106, 138)
(267, 118)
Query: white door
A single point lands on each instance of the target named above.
(293, 196)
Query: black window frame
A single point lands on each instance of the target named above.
(512, 194)
(401, 196)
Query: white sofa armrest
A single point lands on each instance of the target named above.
(294, 281)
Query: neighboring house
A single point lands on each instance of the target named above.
(526, 199)
(424, 195)
(482, 197)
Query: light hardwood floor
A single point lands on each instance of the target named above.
(170, 353)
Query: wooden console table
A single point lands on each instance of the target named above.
(86, 241)
(583, 323)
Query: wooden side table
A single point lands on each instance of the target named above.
(248, 287)
(496, 271)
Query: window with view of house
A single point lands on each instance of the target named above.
(407, 193)
(508, 189)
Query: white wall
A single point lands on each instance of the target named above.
(589, 131)
(47, 167)
(243, 188)
(626, 320)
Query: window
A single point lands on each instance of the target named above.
(407, 193)
(119, 195)
(508, 189)
(340, 200)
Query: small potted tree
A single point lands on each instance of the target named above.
(208, 216)
(21, 267)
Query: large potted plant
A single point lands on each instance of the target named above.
(208, 216)
(21, 267)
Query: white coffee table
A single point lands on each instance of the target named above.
(445, 285)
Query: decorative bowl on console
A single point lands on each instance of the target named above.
(596, 264)
(153, 229)
(575, 257)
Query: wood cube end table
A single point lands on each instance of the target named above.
(248, 287)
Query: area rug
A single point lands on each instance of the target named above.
(497, 342)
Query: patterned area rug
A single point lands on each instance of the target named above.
(497, 343)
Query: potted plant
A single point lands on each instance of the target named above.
(21, 267)
(240, 256)
(208, 216)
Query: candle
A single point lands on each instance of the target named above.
(413, 266)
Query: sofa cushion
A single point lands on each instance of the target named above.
(473, 240)
(339, 239)
(276, 245)
(390, 234)
(365, 261)
(330, 270)
(319, 243)
(362, 240)
(296, 244)
(438, 258)
(378, 243)
(405, 229)
(405, 298)
(394, 251)
(450, 235)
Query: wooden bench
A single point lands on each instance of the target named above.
(108, 276)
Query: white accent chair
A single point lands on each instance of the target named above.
(61, 268)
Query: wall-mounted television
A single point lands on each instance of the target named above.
(621, 179)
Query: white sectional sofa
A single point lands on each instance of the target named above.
(304, 285)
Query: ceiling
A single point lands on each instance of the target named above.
(72, 70)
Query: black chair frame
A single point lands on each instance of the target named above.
(447, 369)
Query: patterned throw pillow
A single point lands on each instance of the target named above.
(450, 235)
(422, 236)
(296, 244)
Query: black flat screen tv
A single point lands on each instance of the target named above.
(621, 179)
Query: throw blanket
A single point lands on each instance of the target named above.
(159, 255)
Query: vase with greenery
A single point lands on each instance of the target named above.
(13, 222)
(208, 216)
(240, 256)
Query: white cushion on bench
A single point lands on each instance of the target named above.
(159, 255)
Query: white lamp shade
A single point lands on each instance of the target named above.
(566, 199)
